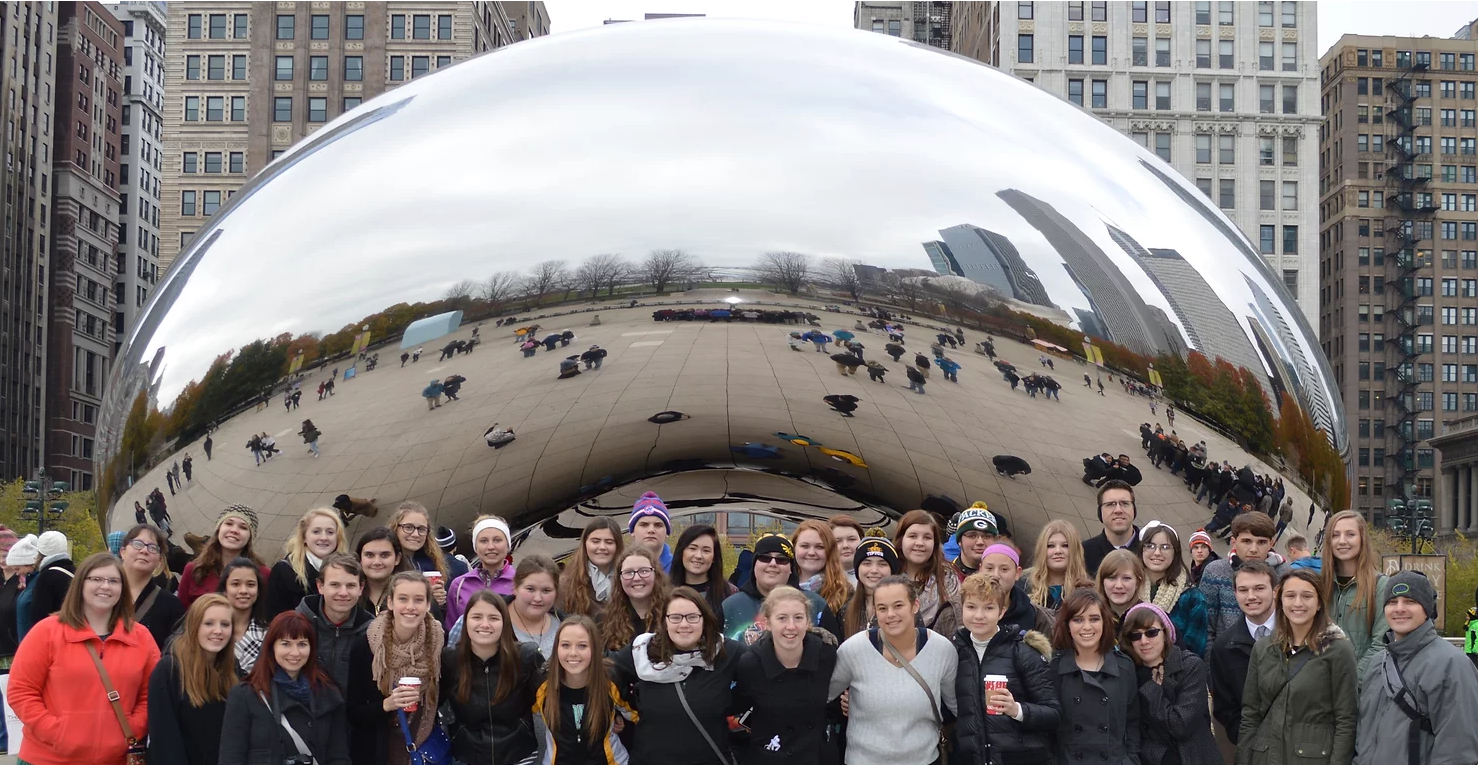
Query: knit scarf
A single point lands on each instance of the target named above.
(600, 581)
(1167, 593)
(419, 657)
(297, 690)
(677, 671)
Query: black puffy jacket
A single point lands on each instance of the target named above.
(480, 730)
(983, 739)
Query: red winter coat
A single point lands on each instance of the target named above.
(56, 692)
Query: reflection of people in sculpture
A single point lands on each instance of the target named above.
(845, 405)
(310, 435)
(569, 367)
(138, 514)
(662, 418)
(404, 357)
(593, 357)
(432, 392)
(451, 385)
(208, 445)
(595, 322)
(498, 437)
(188, 465)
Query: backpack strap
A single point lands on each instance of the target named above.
(1406, 702)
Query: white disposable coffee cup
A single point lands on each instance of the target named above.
(433, 576)
(994, 683)
(414, 682)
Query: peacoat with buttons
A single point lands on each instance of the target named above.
(1313, 719)
(790, 720)
(1100, 711)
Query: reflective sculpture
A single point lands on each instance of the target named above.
(718, 142)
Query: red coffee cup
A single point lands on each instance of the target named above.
(414, 682)
(993, 683)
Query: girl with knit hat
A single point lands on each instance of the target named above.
(649, 525)
(492, 571)
(1170, 587)
(874, 559)
(54, 576)
(774, 566)
(20, 563)
(235, 530)
(1175, 719)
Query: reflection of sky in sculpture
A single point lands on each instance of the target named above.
(726, 139)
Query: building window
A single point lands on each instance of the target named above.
(1162, 51)
(318, 110)
(218, 26)
(1290, 14)
(238, 162)
(192, 108)
(1100, 10)
(319, 30)
(1290, 240)
(1100, 50)
(1162, 96)
(1265, 56)
(1203, 96)
(421, 27)
(1204, 185)
(211, 202)
(444, 27)
(1265, 196)
(1075, 91)
(1290, 151)
(351, 102)
(1290, 99)
(213, 162)
(1224, 13)
(238, 67)
(282, 109)
(238, 108)
(1290, 57)
(397, 27)
(215, 109)
(397, 68)
(1265, 13)
(318, 67)
(192, 67)
(286, 26)
(353, 68)
(1265, 99)
(420, 65)
(240, 23)
(1228, 97)
(191, 161)
(1024, 49)
(1075, 49)
(193, 27)
(1075, 11)
(284, 68)
(1228, 199)
(1162, 12)
(1267, 239)
(1226, 54)
(1203, 54)
(1141, 97)
(1139, 53)
(216, 68)
(1100, 94)
(1203, 148)
(187, 203)
(1264, 151)
(354, 27)
(1203, 12)
(1024, 10)
(1162, 146)
(1226, 149)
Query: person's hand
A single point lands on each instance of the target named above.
(438, 591)
(1001, 702)
(619, 725)
(401, 697)
(845, 695)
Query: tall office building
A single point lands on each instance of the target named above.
(1399, 252)
(927, 23)
(141, 161)
(527, 20)
(84, 224)
(28, 76)
(986, 257)
(247, 80)
(1222, 91)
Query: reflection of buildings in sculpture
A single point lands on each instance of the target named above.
(1128, 319)
(1212, 328)
(1304, 379)
(1282, 374)
(868, 274)
(986, 257)
(1163, 328)
(1089, 324)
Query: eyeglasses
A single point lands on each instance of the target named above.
(142, 546)
(1162, 547)
(771, 558)
(680, 618)
(412, 530)
(644, 572)
(1124, 503)
(1152, 633)
(101, 580)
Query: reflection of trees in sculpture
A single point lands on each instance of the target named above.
(784, 270)
(905, 290)
(664, 267)
(842, 274)
(546, 277)
(463, 293)
(1307, 449)
(601, 271)
(498, 289)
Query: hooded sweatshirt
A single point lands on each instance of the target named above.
(1443, 686)
(335, 640)
(1023, 612)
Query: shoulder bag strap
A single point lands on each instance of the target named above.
(113, 698)
(298, 742)
(683, 698)
(143, 608)
(908, 667)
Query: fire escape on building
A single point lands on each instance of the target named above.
(1407, 221)
(931, 24)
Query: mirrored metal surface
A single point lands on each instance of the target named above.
(724, 140)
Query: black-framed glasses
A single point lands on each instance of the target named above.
(1152, 633)
(689, 618)
(644, 572)
(1124, 503)
(412, 530)
(142, 546)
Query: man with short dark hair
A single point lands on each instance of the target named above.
(1116, 510)
(1419, 695)
(1231, 653)
(1252, 539)
(336, 614)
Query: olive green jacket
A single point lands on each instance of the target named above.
(1313, 721)
(1366, 639)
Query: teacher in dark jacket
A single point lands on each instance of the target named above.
(783, 678)
(1172, 691)
(286, 684)
(686, 659)
(1116, 511)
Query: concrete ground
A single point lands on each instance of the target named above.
(739, 381)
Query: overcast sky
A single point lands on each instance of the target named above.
(1336, 17)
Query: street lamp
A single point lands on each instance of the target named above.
(43, 500)
(1413, 518)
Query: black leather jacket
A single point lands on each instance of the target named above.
(480, 730)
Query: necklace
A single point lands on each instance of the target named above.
(521, 624)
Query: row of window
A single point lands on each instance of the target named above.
(1267, 238)
(282, 108)
(1139, 12)
(320, 26)
(1377, 429)
(1139, 52)
(1376, 256)
(353, 69)
(1461, 62)
(1422, 401)
(1423, 456)
(215, 162)
(210, 202)
(1375, 343)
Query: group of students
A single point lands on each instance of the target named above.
(830, 645)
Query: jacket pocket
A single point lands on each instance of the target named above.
(1310, 742)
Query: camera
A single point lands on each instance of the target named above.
(298, 759)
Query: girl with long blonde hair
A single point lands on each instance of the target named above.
(1057, 565)
(1351, 583)
(319, 534)
(819, 564)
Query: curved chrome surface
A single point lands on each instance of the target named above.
(726, 140)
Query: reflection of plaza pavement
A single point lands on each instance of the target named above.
(740, 382)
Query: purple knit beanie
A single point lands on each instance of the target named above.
(1159, 612)
(648, 505)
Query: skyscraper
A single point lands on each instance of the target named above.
(1206, 319)
(986, 257)
(976, 259)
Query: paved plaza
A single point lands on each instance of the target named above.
(739, 382)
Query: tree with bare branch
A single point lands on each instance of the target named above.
(498, 289)
(461, 294)
(842, 274)
(617, 271)
(903, 289)
(784, 270)
(664, 267)
(546, 277)
(600, 271)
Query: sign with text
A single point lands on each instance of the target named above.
(1434, 566)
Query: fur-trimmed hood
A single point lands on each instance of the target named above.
(1039, 643)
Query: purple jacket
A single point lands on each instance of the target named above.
(465, 586)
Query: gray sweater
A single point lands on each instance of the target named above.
(890, 721)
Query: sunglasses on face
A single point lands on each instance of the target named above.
(1135, 637)
(771, 558)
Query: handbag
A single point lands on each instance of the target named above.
(683, 698)
(933, 706)
(435, 750)
(136, 750)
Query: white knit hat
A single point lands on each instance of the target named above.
(52, 543)
(23, 552)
